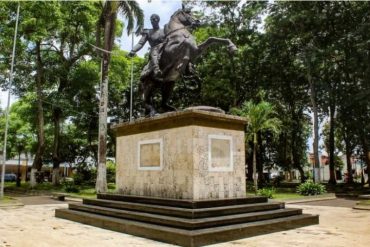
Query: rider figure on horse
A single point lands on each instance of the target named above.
(155, 37)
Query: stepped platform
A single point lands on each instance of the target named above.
(187, 222)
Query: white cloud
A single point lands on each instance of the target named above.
(4, 99)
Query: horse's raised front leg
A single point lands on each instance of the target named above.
(214, 40)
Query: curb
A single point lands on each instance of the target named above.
(364, 197)
(362, 207)
(73, 199)
(310, 199)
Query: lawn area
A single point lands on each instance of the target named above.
(84, 191)
(364, 202)
(6, 200)
(287, 194)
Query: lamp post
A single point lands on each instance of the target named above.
(132, 76)
(8, 104)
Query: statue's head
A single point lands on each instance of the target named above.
(154, 19)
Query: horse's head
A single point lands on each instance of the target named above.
(184, 16)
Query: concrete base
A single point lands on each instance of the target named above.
(190, 154)
(186, 222)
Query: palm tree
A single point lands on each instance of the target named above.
(260, 118)
(107, 24)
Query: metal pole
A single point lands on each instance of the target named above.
(8, 104)
(132, 76)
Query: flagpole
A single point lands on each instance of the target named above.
(132, 76)
(8, 104)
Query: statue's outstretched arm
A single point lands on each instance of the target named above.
(139, 45)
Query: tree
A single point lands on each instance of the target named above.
(260, 118)
(21, 132)
(39, 21)
(107, 22)
(73, 39)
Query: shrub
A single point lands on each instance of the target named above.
(310, 188)
(70, 186)
(111, 171)
(84, 174)
(249, 186)
(268, 192)
(276, 181)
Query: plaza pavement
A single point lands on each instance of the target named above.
(34, 225)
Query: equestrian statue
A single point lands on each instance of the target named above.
(173, 50)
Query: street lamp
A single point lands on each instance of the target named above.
(7, 108)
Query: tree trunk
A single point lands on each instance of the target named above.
(56, 157)
(332, 179)
(260, 159)
(349, 163)
(33, 181)
(37, 162)
(297, 162)
(315, 128)
(295, 146)
(101, 180)
(249, 156)
(365, 148)
(255, 143)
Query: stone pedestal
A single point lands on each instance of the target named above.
(181, 180)
(190, 154)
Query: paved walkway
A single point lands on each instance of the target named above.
(35, 226)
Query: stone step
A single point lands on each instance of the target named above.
(182, 202)
(188, 238)
(185, 212)
(186, 223)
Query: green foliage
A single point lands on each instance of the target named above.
(111, 171)
(249, 186)
(84, 174)
(309, 188)
(277, 180)
(268, 192)
(260, 117)
(70, 186)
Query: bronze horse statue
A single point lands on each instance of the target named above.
(177, 51)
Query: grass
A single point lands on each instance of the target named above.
(6, 200)
(288, 194)
(364, 202)
(85, 191)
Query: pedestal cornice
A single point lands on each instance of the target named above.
(180, 119)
